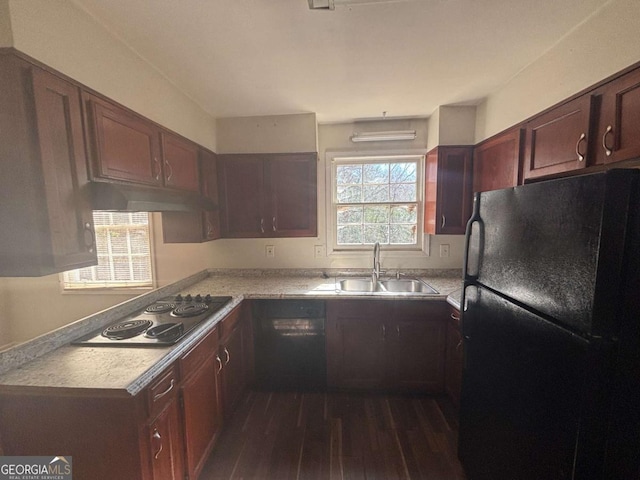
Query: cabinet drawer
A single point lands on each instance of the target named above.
(162, 391)
(229, 323)
(195, 357)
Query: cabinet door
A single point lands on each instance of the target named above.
(496, 162)
(233, 372)
(241, 181)
(211, 219)
(165, 439)
(292, 196)
(453, 368)
(355, 335)
(62, 153)
(558, 140)
(619, 121)
(416, 346)
(123, 146)
(201, 415)
(180, 163)
(448, 190)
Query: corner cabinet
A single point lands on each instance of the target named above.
(268, 195)
(47, 221)
(198, 226)
(448, 190)
(454, 357)
(388, 345)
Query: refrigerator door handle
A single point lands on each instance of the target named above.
(475, 218)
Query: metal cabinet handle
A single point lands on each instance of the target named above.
(398, 330)
(607, 150)
(92, 241)
(444, 221)
(226, 352)
(384, 332)
(454, 317)
(209, 229)
(219, 363)
(262, 225)
(273, 224)
(158, 396)
(157, 167)
(156, 435)
(166, 162)
(459, 345)
(580, 156)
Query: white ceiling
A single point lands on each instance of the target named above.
(264, 57)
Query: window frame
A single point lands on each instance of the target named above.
(333, 159)
(116, 289)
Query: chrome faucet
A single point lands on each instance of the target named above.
(375, 275)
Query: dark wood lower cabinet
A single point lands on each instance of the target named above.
(165, 439)
(454, 358)
(377, 344)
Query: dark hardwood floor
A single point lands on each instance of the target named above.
(280, 435)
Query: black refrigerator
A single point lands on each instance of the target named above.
(550, 321)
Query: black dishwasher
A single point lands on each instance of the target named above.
(290, 344)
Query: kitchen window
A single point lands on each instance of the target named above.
(376, 199)
(123, 245)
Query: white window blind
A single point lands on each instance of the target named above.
(124, 253)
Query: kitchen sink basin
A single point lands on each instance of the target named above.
(389, 286)
(357, 285)
(407, 285)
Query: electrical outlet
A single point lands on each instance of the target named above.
(270, 251)
(444, 250)
(318, 251)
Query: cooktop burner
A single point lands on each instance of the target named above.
(190, 310)
(160, 308)
(162, 323)
(126, 329)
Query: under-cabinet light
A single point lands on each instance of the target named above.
(384, 136)
(331, 4)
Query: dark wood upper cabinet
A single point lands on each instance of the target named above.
(242, 198)
(197, 226)
(123, 146)
(292, 195)
(618, 131)
(496, 162)
(268, 195)
(448, 189)
(127, 147)
(558, 140)
(47, 222)
(180, 163)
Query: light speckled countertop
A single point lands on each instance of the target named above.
(50, 362)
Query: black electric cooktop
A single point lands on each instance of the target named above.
(162, 323)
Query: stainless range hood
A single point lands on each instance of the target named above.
(137, 198)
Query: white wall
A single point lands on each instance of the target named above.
(6, 35)
(452, 125)
(267, 134)
(604, 44)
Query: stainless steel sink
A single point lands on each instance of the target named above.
(388, 286)
(407, 285)
(357, 285)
